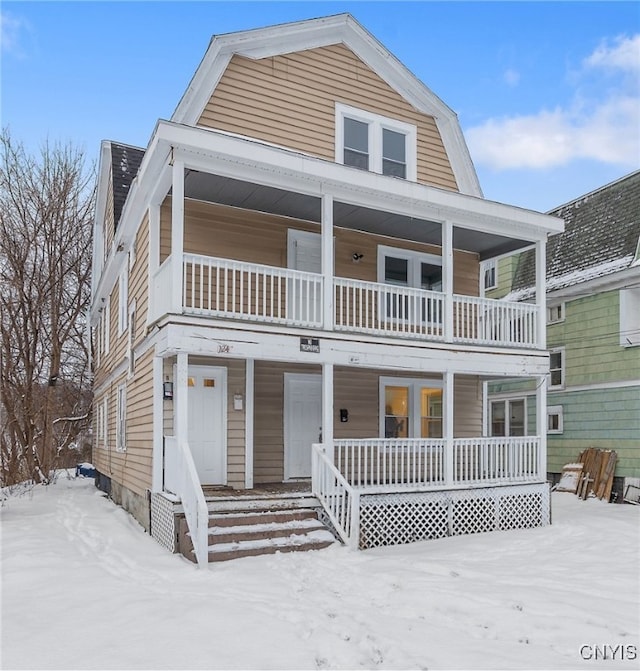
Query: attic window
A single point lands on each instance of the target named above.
(372, 142)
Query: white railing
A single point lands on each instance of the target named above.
(181, 478)
(252, 292)
(249, 291)
(391, 462)
(496, 460)
(494, 322)
(339, 499)
(371, 307)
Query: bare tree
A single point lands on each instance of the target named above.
(46, 213)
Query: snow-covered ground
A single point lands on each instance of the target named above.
(83, 587)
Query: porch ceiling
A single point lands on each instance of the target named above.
(237, 193)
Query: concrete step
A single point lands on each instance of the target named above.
(232, 519)
(263, 531)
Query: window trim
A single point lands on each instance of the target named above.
(563, 366)
(376, 123)
(559, 411)
(121, 418)
(414, 385)
(507, 416)
(123, 301)
(561, 317)
(629, 307)
(489, 265)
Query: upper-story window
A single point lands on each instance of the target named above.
(489, 274)
(373, 142)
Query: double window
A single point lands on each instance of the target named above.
(509, 417)
(121, 418)
(556, 368)
(410, 408)
(372, 142)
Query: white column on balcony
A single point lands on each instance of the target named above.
(177, 232)
(447, 278)
(541, 295)
(447, 426)
(154, 256)
(485, 408)
(249, 398)
(541, 423)
(180, 399)
(327, 408)
(327, 262)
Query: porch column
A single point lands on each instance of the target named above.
(157, 472)
(447, 279)
(447, 426)
(154, 255)
(249, 395)
(177, 233)
(541, 423)
(327, 262)
(180, 400)
(541, 294)
(485, 408)
(327, 408)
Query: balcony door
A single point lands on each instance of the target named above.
(304, 252)
(410, 408)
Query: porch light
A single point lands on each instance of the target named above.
(167, 390)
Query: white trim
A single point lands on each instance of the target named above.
(157, 468)
(123, 301)
(561, 307)
(413, 385)
(629, 309)
(559, 411)
(514, 396)
(563, 367)
(121, 417)
(376, 123)
(488, 265)
(249, 412)
(600, 386)
(414, 257)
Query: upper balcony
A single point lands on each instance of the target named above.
(249, 292)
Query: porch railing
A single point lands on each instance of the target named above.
(494, 460)
(184, 482)
(339, 499)
(231, 289)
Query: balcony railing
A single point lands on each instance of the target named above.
(231, 289)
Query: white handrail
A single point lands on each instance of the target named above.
(185, 480)
(502, 459)
(339, 499)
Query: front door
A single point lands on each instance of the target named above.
(207, 423)
(304, 252)
(302, 422)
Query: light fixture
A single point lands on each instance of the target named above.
(356, 257)
(167, 390)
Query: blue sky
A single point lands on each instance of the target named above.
(547, 93)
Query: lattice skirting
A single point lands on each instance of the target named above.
(394, 519)
(163, 521)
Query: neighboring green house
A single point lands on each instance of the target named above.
(593, 333)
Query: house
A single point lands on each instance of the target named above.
(286, 306)
(593, 334)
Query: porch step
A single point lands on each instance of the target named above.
(251, 532)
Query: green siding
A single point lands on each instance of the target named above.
(506, 269)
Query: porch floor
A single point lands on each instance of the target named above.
(273, 490)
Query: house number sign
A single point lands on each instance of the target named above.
(310, 345)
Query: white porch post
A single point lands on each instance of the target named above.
(180, 400)
(327, 262)
(541, 294)
(177, 233)
(327, 408)
(447, 425)
(447, 279)
(541, 424)
(485, 408)
(157, 472)
(154, 256)
(249, 396)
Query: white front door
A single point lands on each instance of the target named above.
(207, 400)
(302, 422)
(304, 252)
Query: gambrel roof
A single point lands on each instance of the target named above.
(314, 33)
(125, 161)
(601, 236)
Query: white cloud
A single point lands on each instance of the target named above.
(11, 29)
(512, 77)
(604, 128)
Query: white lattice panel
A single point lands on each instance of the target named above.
(163, 521)
(394, 519)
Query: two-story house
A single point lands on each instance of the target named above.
(286, 303)
(593, 334)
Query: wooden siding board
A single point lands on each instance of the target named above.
(299, 91)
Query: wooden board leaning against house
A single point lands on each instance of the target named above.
(592, 474)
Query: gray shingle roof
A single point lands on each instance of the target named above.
(125, 162)
(601, 235)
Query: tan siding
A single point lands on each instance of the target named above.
(235, 424)
(467, 407)
(138, 279)
(296, 95)
(221, 231)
